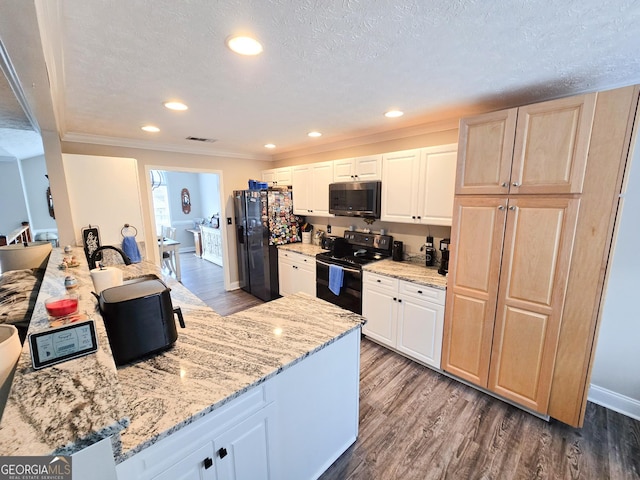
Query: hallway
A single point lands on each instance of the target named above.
(206, 280)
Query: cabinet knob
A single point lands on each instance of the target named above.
(395, 299)
(399, 300)
(420, 292)
(419, 217)
(515, 184)
(500, 207)
(413, 216)
(208, 463)
(379, 281)
(512, 207)
(222, 452)
(505, 184)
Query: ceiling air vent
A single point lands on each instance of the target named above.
(200, 139)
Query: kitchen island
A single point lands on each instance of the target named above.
(281, 352)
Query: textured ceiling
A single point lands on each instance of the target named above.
(335, 66)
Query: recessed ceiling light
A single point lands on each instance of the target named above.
(244, 45)
(150, 128)
(270, 145)
(393, 114)
(175, 106)
(314, 134)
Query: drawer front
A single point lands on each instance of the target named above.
(373, 279)
(414, 290)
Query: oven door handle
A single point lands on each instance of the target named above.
(344, 268)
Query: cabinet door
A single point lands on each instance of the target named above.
(472, 286)
(269, 176)
(194, 466)
(242, 453)
(283, 176)
(551, 145)
(438, 178)
(400, 183)
(286, 272)
(343, 170)
(485, 151)
(368, 168)
(301, 185)
(420, 326)
(535, 266)
(305, 277)
(321, 177)
(379, 307)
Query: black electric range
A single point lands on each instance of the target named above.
(350, 252)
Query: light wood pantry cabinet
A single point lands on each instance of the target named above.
(296, 273)
(527, 268)
(404, 316)
(359, 169)
(537, 149)
(277, 176)
(311, 188)
(418, 185)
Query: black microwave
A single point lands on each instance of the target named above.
(355, 199)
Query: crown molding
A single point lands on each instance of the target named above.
(371, 137)
(165, 147)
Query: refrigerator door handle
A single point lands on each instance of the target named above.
(240, 234)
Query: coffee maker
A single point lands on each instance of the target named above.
(444, 262)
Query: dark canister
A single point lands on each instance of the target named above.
(396, 251)
(429, 252)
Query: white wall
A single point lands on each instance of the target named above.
(14, 207)
(34, 171)
(103, 191)
(176, 181)
(209, 195)
(615, 378)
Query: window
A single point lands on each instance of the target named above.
(160, 200)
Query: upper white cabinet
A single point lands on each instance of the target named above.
(418, 185)
(311, 188)
(358, 169)
(277, 176)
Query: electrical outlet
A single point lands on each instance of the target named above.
(328, 228)
(229, 221)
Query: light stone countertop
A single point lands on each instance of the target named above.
(303, 248)
(64, 408)
(409, 271)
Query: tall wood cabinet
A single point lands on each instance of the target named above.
(526, 248)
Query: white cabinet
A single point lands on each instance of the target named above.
(404, 316)
(311, 188)
(418, 185)
(296, 273)
(358, 169)
(277, 176)
(195, 466)
(242, 452)
(212, 244)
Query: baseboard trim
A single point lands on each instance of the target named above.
(614, 401)
(234, 286)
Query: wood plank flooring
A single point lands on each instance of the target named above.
(418, 424)
(206, 280)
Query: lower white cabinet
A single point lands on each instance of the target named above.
(296, 273)
(192, 467)
(404, 316)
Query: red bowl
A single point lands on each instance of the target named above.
(61, 306)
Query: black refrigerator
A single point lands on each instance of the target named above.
(264, 219)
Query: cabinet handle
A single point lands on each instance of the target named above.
(379, 281)
(222, 452)
(515, 184)
(500, 207)
(420, 292)
(505, 184)
(512, 208)
(208, 463)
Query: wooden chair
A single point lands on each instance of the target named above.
(168, 233)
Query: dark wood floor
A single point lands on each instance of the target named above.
(418, 424)
(206, 281)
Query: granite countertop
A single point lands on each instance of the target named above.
(67, 407)
(303, 248)
(410, 271)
